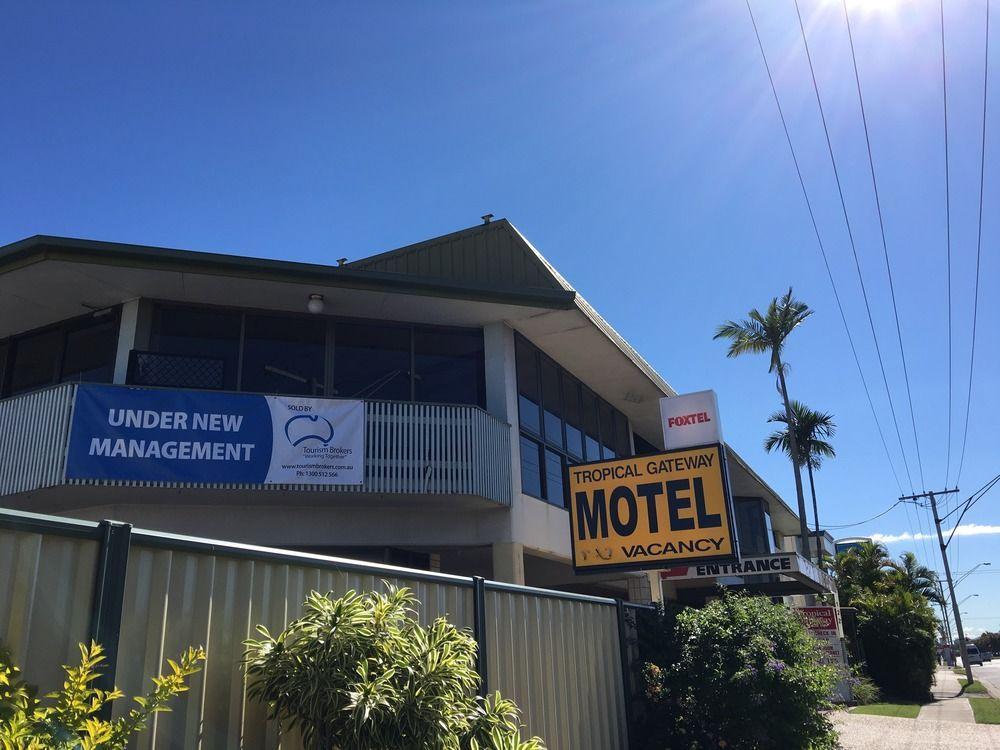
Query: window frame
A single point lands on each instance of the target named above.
(64, 328)
(540, 439)
(330, 353)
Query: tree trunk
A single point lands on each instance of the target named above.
(812, 489)
(794, 445)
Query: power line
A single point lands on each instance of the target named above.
(885, 247)
(979, 241)
(867, 520)
(822, 249)
(947, 211)
(854, 250)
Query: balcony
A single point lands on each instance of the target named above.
(410, 449)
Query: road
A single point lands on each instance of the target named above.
(990, 672)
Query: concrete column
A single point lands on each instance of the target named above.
(508, 562)
(644, 588)
(128, 327)
(501, 389)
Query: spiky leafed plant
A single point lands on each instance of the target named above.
(862, 570)
(359, 672)
(812, 428)
(909, 575)
(766, 333)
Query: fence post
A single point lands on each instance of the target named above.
(479, 630)
(626, 670)
(109, 596)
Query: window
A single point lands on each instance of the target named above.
(372, 361)
(562, 423)
(551, 406)
(531, 468)
(200, 333)
(449, 366)
(753, 526)
(272, 353)
(554, 491)
(284, 355)
(529, 397)
(574, 415)
(36, 360)
(90, 350)
(82, 349)
(591, 426)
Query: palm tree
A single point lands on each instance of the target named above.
(811, 427)
(862, 570)
(766, 333)
(910, 575)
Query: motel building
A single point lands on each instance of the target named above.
(470, 372)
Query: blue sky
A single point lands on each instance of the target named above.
(635, 144)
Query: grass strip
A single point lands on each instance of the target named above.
(986, 710)
(904, 710)
(975, 687)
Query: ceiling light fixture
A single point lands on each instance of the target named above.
(315, 304)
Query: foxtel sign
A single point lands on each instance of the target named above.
(690, 419)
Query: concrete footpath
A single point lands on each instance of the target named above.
(944, 724)
(949, 704)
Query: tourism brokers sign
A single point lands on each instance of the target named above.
(155, 435)
(651, 512)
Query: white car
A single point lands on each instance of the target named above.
(974, 656)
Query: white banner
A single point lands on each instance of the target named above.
(316, 441)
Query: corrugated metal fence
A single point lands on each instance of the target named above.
(147, 595)
(409, 448)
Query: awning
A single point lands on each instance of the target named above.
(780, 574)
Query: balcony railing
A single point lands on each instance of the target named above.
(410, 448)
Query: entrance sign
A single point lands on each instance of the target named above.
(650, 512)
(790, 564)
(690, 419)
(154, 435)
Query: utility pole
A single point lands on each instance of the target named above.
(947, 572)
(944, 616)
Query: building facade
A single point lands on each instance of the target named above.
(482, 371)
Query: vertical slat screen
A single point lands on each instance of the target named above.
(177, 598)
(559, 660)
(34, 432)
(46, 591)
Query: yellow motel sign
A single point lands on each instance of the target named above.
(655, 511)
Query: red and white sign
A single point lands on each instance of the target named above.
(690, 419)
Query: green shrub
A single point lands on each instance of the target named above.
(743, 674)
(71, 720)
(360, 673)
(863, 689)
(897, 631)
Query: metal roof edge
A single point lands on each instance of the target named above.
(96, 251)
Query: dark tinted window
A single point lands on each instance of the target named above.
(449, 366)
(531, 469)
(573, 415)
(90, 350)
(36, 360)
(623, 446)
(284, 355)
(752, 527)
(551, 406)
(372, 361)
(592, 432)
(554, 478)
(4, 348)
(528, 390)
(607, 430)
(200, 333)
